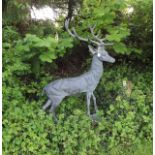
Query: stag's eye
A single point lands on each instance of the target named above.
(98, 54)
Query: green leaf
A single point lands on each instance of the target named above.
(99, 12)
(47, 57)
(114, 37)
(120, 48)
(6, 45)
(47, 42)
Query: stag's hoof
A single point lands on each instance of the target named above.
(44, 108)
(55, 120)
(95, 117)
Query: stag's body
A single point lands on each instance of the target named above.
(86, 82)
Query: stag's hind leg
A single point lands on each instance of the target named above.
(47, 104)
(55, 102)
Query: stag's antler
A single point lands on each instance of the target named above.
(74, 34)
(97, 36)
(96, 41)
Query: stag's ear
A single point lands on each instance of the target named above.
(92, 49)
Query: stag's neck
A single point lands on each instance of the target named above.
(96, 68)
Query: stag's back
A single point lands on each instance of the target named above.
(74, 85)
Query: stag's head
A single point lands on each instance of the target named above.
(96, 41)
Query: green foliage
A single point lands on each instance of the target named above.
(9, 34)
(12, 12)
(104, 14)
(46, 49)
(124, 95)
(125, 104)
(42, 28)
(127, 100)
(141, 27)
(31, 51)
(131, 32)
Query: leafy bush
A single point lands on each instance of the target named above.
(130, 32)
(125, 112)
(127, 100)
(29, 53)
(124, 95)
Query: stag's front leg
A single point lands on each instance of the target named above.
(88, 103)
(47, 104)
(95, 105)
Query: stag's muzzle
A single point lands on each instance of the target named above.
(108, 58)
(112, 60)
